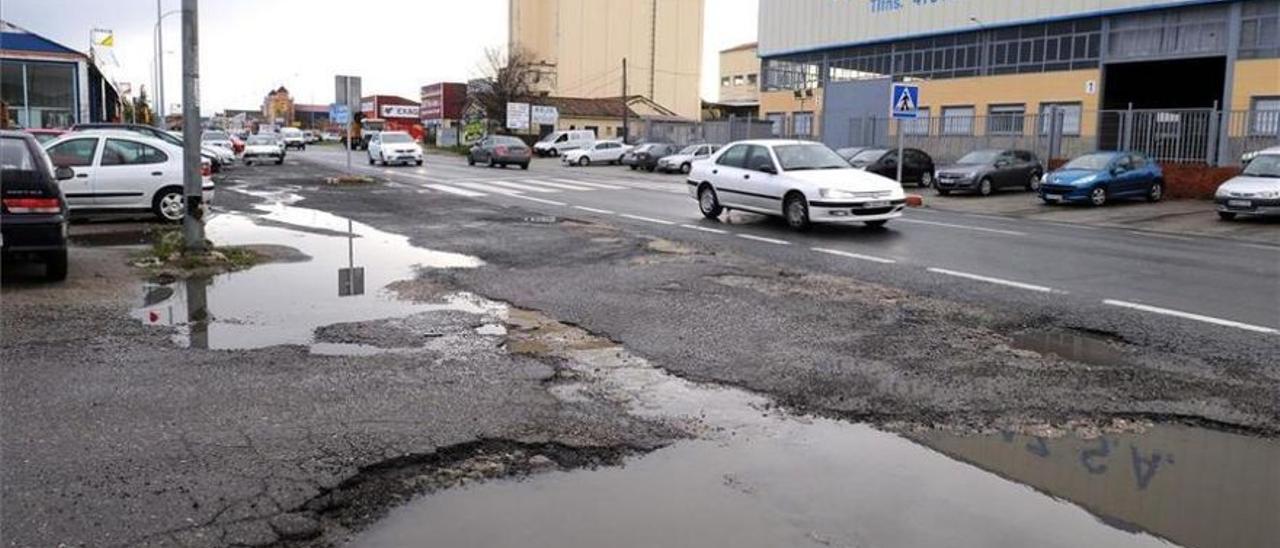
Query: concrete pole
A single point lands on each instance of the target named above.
(160, 122)
(192, 222)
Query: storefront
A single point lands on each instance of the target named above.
(400, 114)
(46, 85)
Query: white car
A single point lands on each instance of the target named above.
(560, 142)
(123, 171)
(1256, 191)
(683, 161)
(394, 147)
(293, 138)
(263, 147)
(802, 182)
(602, 152)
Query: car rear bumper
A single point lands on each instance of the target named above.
(33, 233)
(1248, 206)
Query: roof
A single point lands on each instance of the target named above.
(740, 47)
(389, 100)
(311, 108)
(15, 38)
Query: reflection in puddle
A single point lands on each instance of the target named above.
(1072, 346)
(283, 303)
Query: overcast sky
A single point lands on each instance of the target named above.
(251, 46)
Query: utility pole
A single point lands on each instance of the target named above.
(626, 111)
(192, 187)
(159, 68)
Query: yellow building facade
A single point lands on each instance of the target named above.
(740, 75)
(578, 47)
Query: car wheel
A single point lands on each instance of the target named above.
(55, 265)
(633, 168)
(372, 161)
(686, 168)
(553, 153)
(877, 224)
(525, 166)
(382, 159)
(471, 160)
(708, 203)
(280, 161)
(492, 164)
(584, 161)
(1226, 216)
(1098, 196)
(1034, 183)
(943, 191)
(1156, 193)
(926, 180)
(168, 204)
(984, 187)
(651, 169)
(796, 211)
(419, 162)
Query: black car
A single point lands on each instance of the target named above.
(33, 211)
(917, 169)
(500, 150)
(646, 156)
(986, 171)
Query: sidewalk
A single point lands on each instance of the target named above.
(1183, 217)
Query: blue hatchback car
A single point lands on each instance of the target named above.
(1100, 177)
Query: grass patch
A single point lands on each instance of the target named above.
(169, 257)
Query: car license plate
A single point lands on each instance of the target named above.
(1239, 203)
(873, 205)
(1053, 197)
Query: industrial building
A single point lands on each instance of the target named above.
(1195, 80)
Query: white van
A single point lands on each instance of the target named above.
(559, 142)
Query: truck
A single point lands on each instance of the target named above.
(362, 130)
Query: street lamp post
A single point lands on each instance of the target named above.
(158, 59)
(193, 222)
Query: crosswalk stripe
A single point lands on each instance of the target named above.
(593, 185)
(484, 187)
(518, 186)
(452, 190)
(565, 186)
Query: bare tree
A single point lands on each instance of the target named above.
(508, 77)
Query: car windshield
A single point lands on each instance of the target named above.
(549, 137)
(214, 136)
(805, 157)
(690, 150)
(396, 138)
(979, 157)
(1265, 165)
(1091, 162)
(867, 156)
(262, 140)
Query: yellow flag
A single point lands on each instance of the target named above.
(104, 38)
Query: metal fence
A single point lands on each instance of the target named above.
(1204, 136)
(710, 131)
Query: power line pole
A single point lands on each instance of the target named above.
(626, 111)
(160, 122)
(192, 184)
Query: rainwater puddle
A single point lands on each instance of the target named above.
(1079, 347)
(759, 477)
(272, 304)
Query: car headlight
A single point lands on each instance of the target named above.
(1269, 194)
(836, 194)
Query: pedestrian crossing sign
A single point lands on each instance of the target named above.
(906, 101)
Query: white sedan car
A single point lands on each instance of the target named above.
(394, 147)
(604, 152)
(801, 181)
(264, 148)
(123, 171)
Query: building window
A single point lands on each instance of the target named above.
(1006, 119)
(1260, 30)
(803, 123)
(39, 94)
(957, 120)
(1072, 113)
(1264, 116)
(724, 81)
(752, 79)
(739, 80)
(777, 119)
(918, 126)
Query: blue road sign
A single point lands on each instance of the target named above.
(339, 113)
(906, 101)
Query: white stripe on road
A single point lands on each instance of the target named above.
(539, 200)
(647, 219)
(706, 229)
(518, 186)
(1190, 316)
(458, 191)
(763, 239)
(988, 279)
(593, 185)
(965, 227)
(563, 186)
(484, 187)
(858, 256)
(594, 210)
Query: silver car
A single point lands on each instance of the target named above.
(1256, 191)
(683, 161)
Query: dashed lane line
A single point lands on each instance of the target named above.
(647, 219)
(763, 239)
(857, 256)
(1191, 316)
(988, 279)
(964, 227)
(705, 229)
(594, 210)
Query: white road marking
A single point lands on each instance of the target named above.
(763, 239)
(1190, 316)
(458, 191)
(965, 227)
(706, 229)
(539, 200)
(858, 256)
(562, 186)
(594, 210)
(1263, 247)
(988, 279)
(647, 219)
(593, 185)
(518, 186)
(486, 188)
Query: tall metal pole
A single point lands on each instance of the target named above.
(900, 159)
(347, 97)
(626, 111)
(160, 122)
(192, 222)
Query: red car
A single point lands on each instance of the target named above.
(45, 135)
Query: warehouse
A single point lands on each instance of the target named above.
(1191, 80)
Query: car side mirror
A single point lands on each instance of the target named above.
(769, 169)
(1117, 170)
(63, 173)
